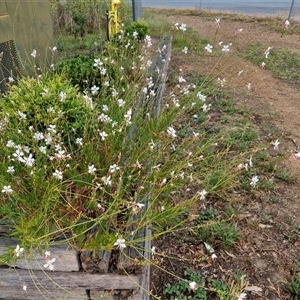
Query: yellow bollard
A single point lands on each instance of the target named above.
(113, 19)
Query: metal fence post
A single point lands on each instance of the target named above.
(137, 9)
(291, 9)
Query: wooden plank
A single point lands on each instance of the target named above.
(114, 295)
(12, 278)
(95, 261)
(66, 257)
(32, 293)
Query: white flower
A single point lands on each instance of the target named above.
(120, 243)
(182, 27)
(97, 62)
(254, 181)
(24, 286)
(140, 205)
(62, 96)
(208, 48)
(181, 79)
(7, 189)
(29, 161)
(185, 50)
(52, 129)
(201, 97)
(92, 169)
(263, 64)
(10, 79)
(127, 116)
(10, 144)
(50, 109)
(214, 256)
(38, 136)
(43, 149)
(250, 161)
(10, 169)
(135, 34)
(248, 86)
(121, 102)
(203, 194)
(58, 175)
(49, 263)
(19, 155)
(22, 115)
(79, 141)
(222, 81)
(225, 48)
(276, 144)
(217, 22)
(172, 132)
(18, 251)
(286, 24)
(206, 107)
(95, 89)
(209, 248)
(47, 253)
(106, 180)
(193, 286)
(33, 54)
(103, 135)
(242, 296)
(267, 52)
(153, 250)
(113, 168)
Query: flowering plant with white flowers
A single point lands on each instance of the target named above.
(80, 151)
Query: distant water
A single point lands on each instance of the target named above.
(262, 7)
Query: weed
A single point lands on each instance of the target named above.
(285, 176)
(182, 289)
(293, 287)
(207, 214)
(230, 291)
(224, 233)
(283, 63)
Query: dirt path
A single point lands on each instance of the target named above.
(268, 256)
(272, 95)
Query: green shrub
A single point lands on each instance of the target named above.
(139, 29)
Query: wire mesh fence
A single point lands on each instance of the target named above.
(284, 8)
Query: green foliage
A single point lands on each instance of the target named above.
(221, 289)
(139, 29)
(207, 214)
(284, 63)
(241, 137)
(182, 291)
(285, 176)
(81, 71)
(293, 287)
(215, 232)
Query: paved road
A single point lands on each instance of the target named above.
(244, 6)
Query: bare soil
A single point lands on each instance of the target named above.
(268, 256)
